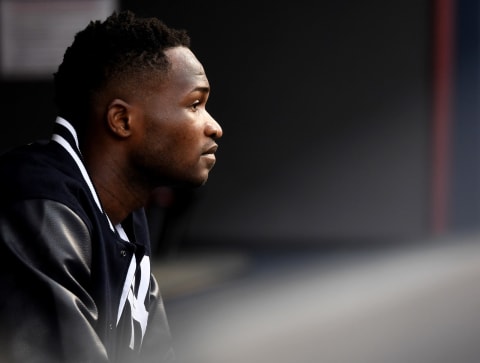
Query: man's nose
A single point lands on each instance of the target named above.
(213, 129)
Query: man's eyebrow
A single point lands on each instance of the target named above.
(203, 89)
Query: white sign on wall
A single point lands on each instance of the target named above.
(34, 34)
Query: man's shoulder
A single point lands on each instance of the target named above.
(37, 170)
(35, 155)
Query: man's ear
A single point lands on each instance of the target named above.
(119, 118)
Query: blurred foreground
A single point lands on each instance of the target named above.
(415, 304)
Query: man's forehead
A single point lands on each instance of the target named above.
(186, 71)
(183, 58)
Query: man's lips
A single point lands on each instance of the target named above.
(211, 150)
(209, 154)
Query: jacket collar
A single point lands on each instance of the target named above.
(65, 135)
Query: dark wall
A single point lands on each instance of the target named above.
(325, 110)
(464, 211)
(27, 111)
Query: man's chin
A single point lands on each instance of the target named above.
(191, 183)
(200, 183)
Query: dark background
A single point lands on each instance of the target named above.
(326, 109)
(329, 129)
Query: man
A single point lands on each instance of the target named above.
(74, 249)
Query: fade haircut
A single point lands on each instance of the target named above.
(123, 47)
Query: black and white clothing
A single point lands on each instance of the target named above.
(74, 287)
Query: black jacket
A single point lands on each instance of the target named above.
(72, 289)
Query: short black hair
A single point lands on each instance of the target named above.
(120, 47)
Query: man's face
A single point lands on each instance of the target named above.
(176, 143)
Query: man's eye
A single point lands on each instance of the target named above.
(195, 105)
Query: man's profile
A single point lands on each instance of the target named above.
(74, 246)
